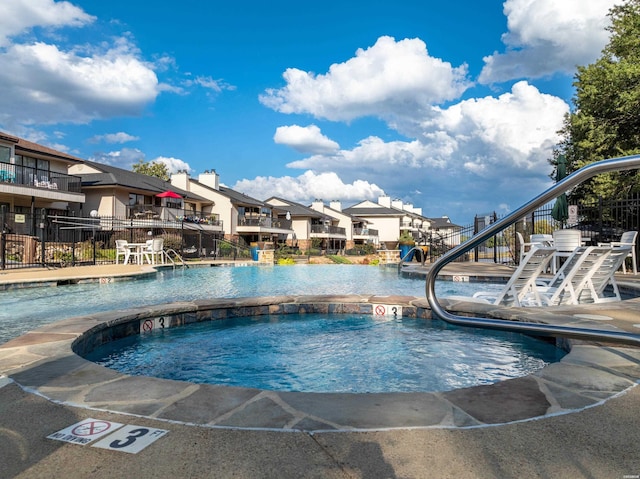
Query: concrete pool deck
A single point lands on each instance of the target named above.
(46, 388)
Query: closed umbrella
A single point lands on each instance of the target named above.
(560, 211)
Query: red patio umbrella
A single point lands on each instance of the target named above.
(168, 194)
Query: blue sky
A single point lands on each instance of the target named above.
(448, 106)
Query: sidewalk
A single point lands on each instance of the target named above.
(594, 442)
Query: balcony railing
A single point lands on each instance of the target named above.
(365, 232)
(328, 229)
(50, 180)
(164, 213)
(259, 221)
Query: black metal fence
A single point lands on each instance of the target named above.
(600, 221)
(37, 239)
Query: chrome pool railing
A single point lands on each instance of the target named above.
(576, 178)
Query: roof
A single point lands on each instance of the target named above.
(114, 176)
(240, 198)
(443, 222)
(297, 209)
(23, 146)
(373, 211)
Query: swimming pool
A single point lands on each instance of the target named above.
(337, 353)
(26, 309)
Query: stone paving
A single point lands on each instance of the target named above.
(43, 365)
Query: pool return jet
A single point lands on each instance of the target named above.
(584, 173)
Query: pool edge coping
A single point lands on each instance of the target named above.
(43, 362)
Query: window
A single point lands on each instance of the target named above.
(5, 154)
(135, 199)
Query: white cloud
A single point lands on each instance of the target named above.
(306, 139)
(43, 84)
(124, 158)
(127, 157)
(306, 187)
(18, 16)
(548, 36)
(384, 80)
(173, 164)
(466, 154)
(120, 137)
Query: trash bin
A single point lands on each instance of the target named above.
(254, 251)
(404, 250)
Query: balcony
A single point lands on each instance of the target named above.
(328, 230)
(365, 232)
(162, 213)
(26, 176)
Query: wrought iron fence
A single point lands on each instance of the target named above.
(601, 221)
(37, 239)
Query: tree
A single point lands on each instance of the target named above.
(605, 122)
(152, 168)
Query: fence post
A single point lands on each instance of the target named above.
(43, 223)
(3, 237)
(475, 232)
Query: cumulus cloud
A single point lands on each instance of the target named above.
(306, 139)
(306, 187)
(466, 153)
(19, 16)
(173, 165)
(43, 84)
(120, 137)
(127, 157)
(548, 36)
(124, 158)
(379, 81)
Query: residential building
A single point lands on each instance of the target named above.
(34, 178)
(130, 199)
(245, 218)
(311, 227)
(358, 230)
(391, 219)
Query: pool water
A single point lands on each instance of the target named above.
(26, 309)
(335, 353)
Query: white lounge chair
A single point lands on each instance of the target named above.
(628, 239)
(521, 289)
(584, 277)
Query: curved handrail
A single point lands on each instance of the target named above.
(574, 179)
(415, 248)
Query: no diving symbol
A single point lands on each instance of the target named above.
(90, 428)
(147, 326)
(381, 310)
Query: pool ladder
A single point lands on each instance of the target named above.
(167, 252)
(584, 173)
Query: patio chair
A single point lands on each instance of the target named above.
(122, 249)
(565, 242)
(521, 289)
(154, 251)
(584, 277)
(524, 247)
(628, 239)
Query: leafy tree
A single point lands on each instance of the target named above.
(605, 122)
(152, 168)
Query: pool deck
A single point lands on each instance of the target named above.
(585, 410)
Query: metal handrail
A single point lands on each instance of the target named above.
(414, 248)
(562, 186)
